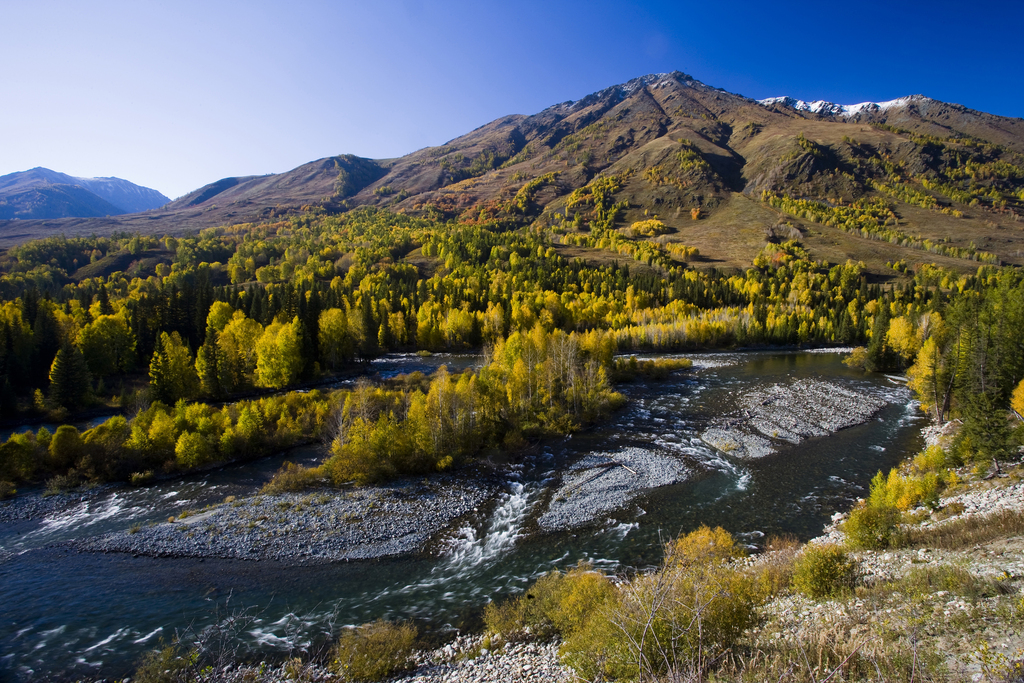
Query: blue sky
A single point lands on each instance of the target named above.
(176, 94)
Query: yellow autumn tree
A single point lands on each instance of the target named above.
(1017, 400)
(279, 355)
(902, 338)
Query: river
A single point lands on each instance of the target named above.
(95, 614)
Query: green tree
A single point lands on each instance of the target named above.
(219, 316)
(206, 365)
(46, 334)
(236, 352)
(985, 432)
(69, 378)
(192, 450)
(901, 338)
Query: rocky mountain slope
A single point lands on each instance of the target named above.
(910, 180)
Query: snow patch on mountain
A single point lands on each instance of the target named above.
(832, 109)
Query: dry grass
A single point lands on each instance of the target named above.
(967, 532)
(596, 258)
(731, 236)
(837, 652)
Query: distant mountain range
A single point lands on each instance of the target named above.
(665, 145)
(42, 193)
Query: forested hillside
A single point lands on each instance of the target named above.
(158, 329)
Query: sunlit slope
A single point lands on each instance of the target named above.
(912, 180)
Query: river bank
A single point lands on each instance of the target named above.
(957, 598)
(461, 661)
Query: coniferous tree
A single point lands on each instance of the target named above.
(104, 301)
(47, 338)
(69, 378)
(334, 339)
(206, 365)
(877, 356)
(985, 428)
(8, 400)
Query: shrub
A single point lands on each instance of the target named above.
(871, 527)
(171, 664)
(292, 477)
(932, 459)
(7, 490)
(66, 448)
(824, 571)
(193, 450)
(905, 491)
(774, 570)
(595, 650)
(872, 524)
(557, 604)
(857, 359)
(107, 439)
(140, 478)
(703, 546)
(675, 623)
(62, 483)
(17, 459)
(374, 651)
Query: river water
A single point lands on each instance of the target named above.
(95, 615)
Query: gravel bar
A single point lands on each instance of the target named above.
(603, 482)
(790, 413)
(313, 528)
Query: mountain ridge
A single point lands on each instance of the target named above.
(722, 172)
(41, 193)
